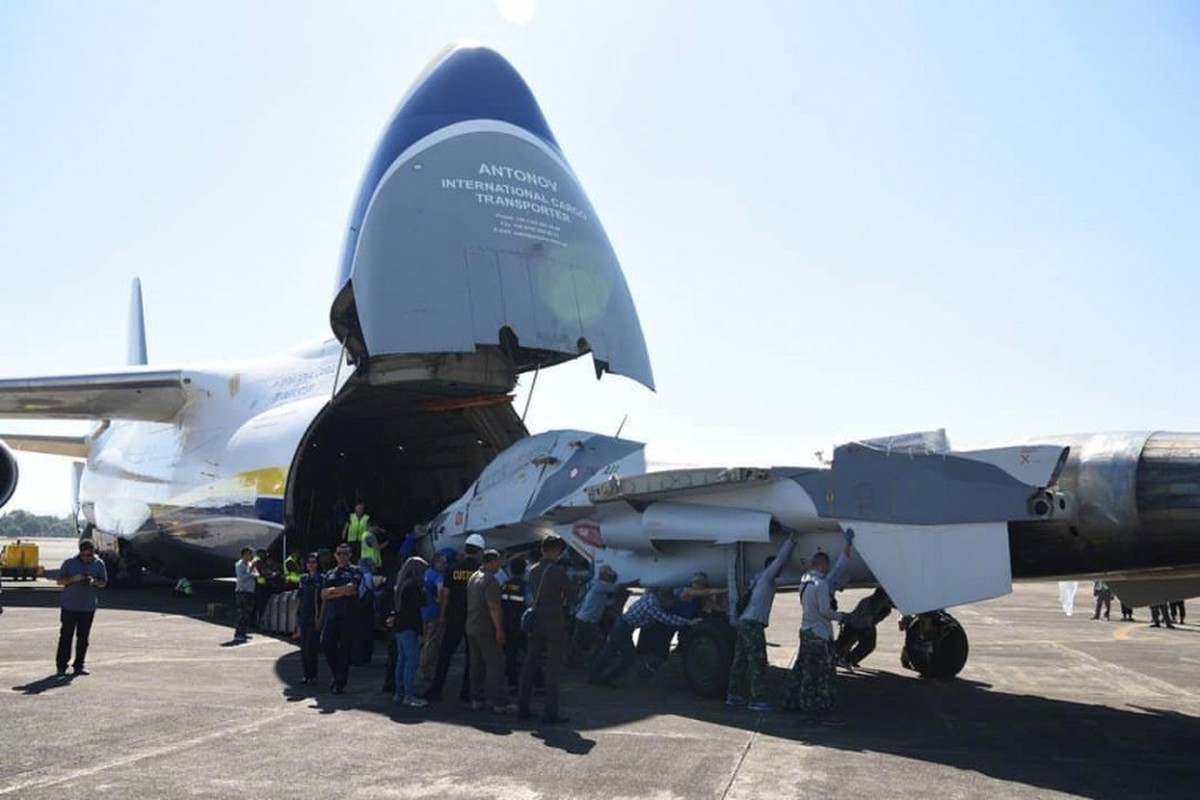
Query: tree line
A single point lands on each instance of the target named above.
(21, 524)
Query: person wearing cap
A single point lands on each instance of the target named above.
(431, 613)
(245, 583)
(550, 593)
(453, 608)
(485, 636)
(80, 576)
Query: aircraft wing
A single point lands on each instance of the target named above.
(1136, 593)
(70, 446)
(149, 396)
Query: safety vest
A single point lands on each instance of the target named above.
(293, 578)
(369, 551)
(358, 527)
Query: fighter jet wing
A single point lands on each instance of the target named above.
(149, 396)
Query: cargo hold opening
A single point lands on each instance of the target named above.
(406, 456)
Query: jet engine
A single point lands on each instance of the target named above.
(8, 474)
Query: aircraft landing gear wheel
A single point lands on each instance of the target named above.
(122, 571)
(935, 645)
(707, 656)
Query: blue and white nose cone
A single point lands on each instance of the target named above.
(471, 230)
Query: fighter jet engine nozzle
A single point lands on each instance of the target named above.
(8, 474)
(1049, 503)
(1132, 500)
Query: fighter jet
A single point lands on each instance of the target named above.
(933, 526)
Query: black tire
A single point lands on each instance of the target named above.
(948, 655)
(707, 656)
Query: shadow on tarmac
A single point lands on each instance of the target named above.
(1052, 744)
(1058, 745)
(52, 681)
(154, 596)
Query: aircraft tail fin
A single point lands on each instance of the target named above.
(137, 327)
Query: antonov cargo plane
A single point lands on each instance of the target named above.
(472, 256)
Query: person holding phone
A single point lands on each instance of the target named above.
(80, 576)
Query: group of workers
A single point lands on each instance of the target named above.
(432, 609)
(521, 625)
(1161, 614)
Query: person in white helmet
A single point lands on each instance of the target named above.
(452, 600)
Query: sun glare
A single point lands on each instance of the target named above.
(518, 12)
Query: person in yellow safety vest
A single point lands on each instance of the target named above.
(291, 571)
(356, 528)
(370, 547)
(373, 545)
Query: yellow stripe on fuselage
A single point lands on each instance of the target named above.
(268, 481)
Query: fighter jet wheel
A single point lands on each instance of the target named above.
(935, 645)
(707, 656)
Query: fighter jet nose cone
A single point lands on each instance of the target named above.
(470, 82)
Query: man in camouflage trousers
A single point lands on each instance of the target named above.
(811, 684)
(750, 652)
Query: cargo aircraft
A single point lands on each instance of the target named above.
(473, 256)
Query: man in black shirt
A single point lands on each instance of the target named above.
(452, 600)
(512, 603)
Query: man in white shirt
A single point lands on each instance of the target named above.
(811, 684)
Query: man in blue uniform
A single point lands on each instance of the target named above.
(339, 604)
(80, 577)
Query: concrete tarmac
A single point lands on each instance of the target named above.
(1048, 706)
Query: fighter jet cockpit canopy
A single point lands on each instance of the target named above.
(471, 234)
(920, 442)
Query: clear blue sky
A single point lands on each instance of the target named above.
(837, 220)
